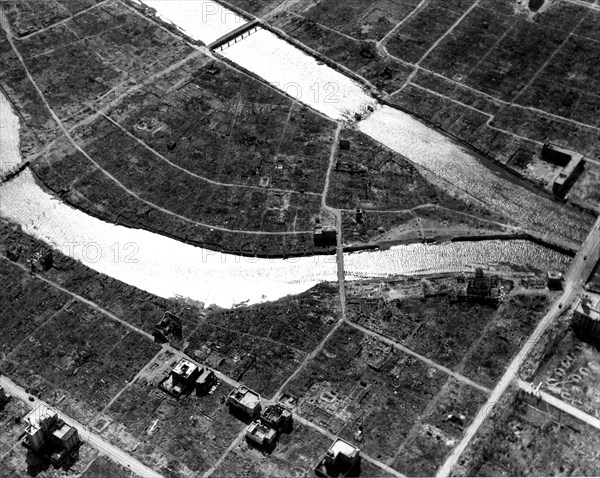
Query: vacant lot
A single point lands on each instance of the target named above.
(80, 357)
(178, 438)
(26, 304)
(358, 383)
(533, 440)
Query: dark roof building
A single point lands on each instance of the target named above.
(586, 319)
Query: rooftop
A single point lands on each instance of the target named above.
(38, 415)
(343, 447)
(245, 397)
(184, 368)
(260, 431)
(64, 432)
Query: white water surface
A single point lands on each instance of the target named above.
(10, 155)
(301, 76)
(202, 20)
(168, 268)
(152, 262)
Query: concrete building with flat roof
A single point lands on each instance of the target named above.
(205, 381)
(181, 379)
(50, 436)
(571, 161)
(261, 435)
(40, 421)
(244, 400)
(340, 460)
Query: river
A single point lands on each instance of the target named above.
(169, 268)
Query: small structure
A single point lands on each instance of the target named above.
(244, 401)
(344, 144)
(261, 435)
(205, 381)
(40, 261)
(169, 328)
(554, 280)
(182, 379)
(535, 5)
(571, 162)
(586, 319)
(340, 460)
(50, 436)
(4, 398)
(359, 216)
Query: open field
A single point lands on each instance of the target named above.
(528, 439)
(359, 383)
(175, 437)
(504, 338)
(27, 304)
(79, 359)
(436, 327)
(493, 73)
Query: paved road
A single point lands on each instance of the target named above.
(580, 270)
(431, 363)
(561, 405)
(86, 435)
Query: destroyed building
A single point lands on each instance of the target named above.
(586, 320)
(278, 418)
(182, 379)
(341, 460)
(40, 261)
(169, 328)
(244, 401)
(481, 289)
(49, 436)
